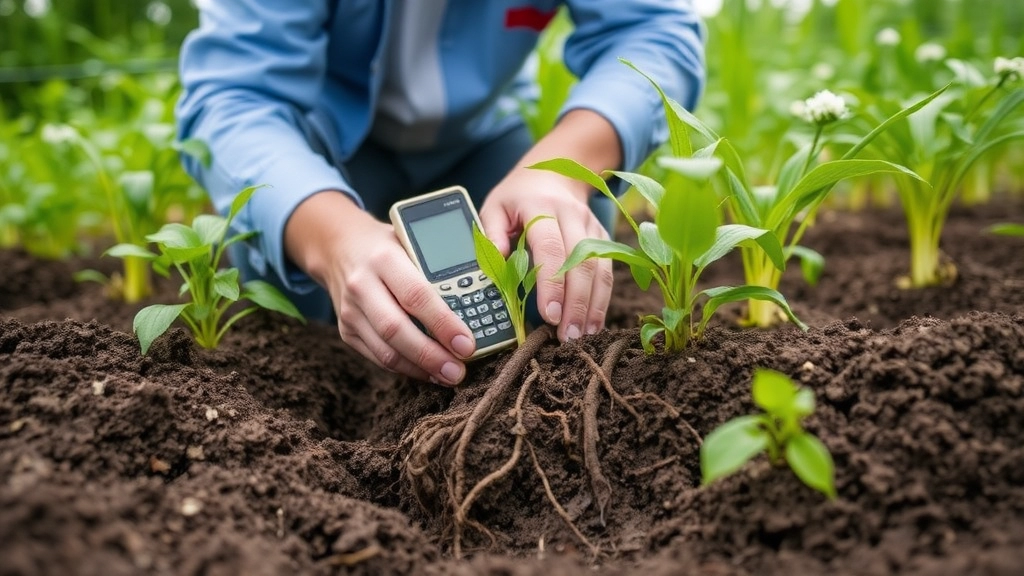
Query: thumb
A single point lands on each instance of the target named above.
(498, 227)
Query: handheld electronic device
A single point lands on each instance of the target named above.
(437, 232)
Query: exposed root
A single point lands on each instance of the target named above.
(563, 420)
(602, 375)
(594, 550)
(673, 412)
(653, 467)
(598, 482)
(462, 508)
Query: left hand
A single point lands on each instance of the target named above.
(576, 302)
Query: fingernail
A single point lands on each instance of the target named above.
(554, 313)
(593, 328)
(451, 372)
(572, 332)
(463, 346)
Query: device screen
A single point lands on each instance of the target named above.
(445, 240)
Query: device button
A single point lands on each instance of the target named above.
(446, 287)
(482, 277)
(482, 309)
(487, 320)
(474, 324)
(465, 281)
(478, 334)
(452, 302)
(478, 296)
(490, 331)
(492, 292)
(467, 300)
(504, 325)
(471, 312)
(499, 316)
(497, 304)
(460, 314)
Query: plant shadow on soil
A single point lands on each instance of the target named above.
(284, 452)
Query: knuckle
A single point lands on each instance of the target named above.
(388, 358)
(417, 297)
(388, 328)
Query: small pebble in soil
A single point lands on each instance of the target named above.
(211, 414)
(190, 506)
(808, 366)
(691, 360)
(195, 453)
(98, 387)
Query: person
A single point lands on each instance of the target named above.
(342, 108)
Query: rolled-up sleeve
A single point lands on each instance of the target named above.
(664, 38)
(251, 73)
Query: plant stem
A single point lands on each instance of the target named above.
(811, 154)
(924, 249)
(136, 279)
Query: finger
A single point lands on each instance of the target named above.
(419, 299)
(600, 296)
(548, 248)
(379, 356)
(579, 283)
(395, 341)
(498, 226)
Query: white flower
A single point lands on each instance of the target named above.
(7, 7)
(37, 8)
(822, 108)
(58, 134)
(823, 71)
(158, 13)
(930, 52)
(887, 37)
(1009, 66)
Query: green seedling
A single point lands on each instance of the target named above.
(1007, 229)
(788, 207)
(195, 253)
(553, 80)
(675, 249)
(943, 142)
(776, 432)
(514, 278)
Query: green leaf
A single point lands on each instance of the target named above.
(729, 236)
(811, 263)
(803, 402)
(672, 317)
(491, 262)
(688, 220)
(726, 294)
(125, 250)
(599, 248)
(653, 245)
(210, 228)
(647, 334)
(852, 152)
(152, 321)
(573, 169)
(90, 275)
(137, 187)
(698, 170)
(266, 296)
(727, 448)
(648, 187)
(1007, 229)
(642, 276)
(530, 280)
(679, 140)
(240, 200)
(177, 236)
(195, 148)
(773, 392)
(812, 463)
(225, 283)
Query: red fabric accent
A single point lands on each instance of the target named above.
(528, 17)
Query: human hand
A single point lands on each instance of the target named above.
(578, 301)
(375, 289)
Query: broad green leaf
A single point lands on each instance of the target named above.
(152, 321)
(803, 402)
(90, 275)
(723, 149)
(653, 245)
(687, 221)
(137, 187)
(516, 267)
(924, 123)
(727, 448)
(599, 248)
(647, 334)
(491, 262)
(698, 170)
(679, 140)
(643, 276)
(225, 283)
(672, 317)
(648, 187)
(866, 140)
(1007, 229)
(811, 263)
(210, 228)
(177, 236)
(730, 236)
(573, 169)
(240, 200)
(266, 296)
(530, 280)
(240, 238)
(812, 463)
(773, 392)
(195, 148)
(726, 294)
(125, 250)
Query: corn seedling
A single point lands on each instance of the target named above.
(675, 249)
(777, 432)
(513, 277)
(195, 253)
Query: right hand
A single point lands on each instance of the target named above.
(375, 288)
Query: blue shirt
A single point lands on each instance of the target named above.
(263, 79)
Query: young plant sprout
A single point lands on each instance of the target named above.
(513, 278)
(943, 142)
(685, 238)
(195, 252)
(788, 207)
(1007, 229)
(777, 432)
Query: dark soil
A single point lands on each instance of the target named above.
(284, 452)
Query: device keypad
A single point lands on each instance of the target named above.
(482, 310)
